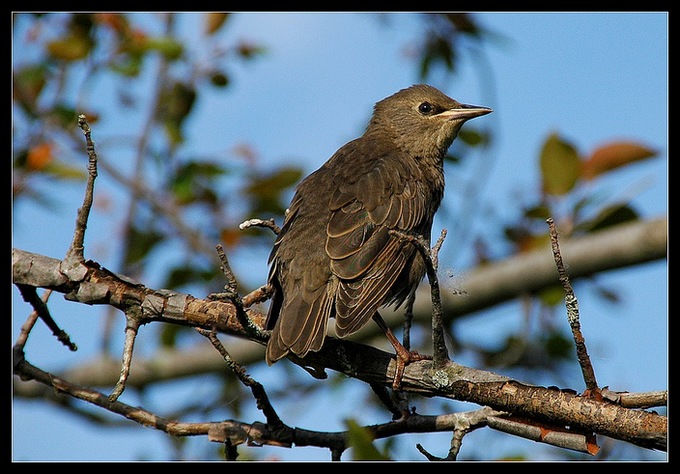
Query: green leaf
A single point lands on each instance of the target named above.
(63, 171)
(266, 192)
(361, 441)
(557, 346)
(610, 216)
(169, 47)
(185, 275)
(168, 335)
(140, 243)
(552, 296)
(438, 50)
(473, 137)
(28, 84)
(219, 79)
(193, 180)
(540, 211)
(560, 166)
(70, 48)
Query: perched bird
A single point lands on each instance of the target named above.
(335, 256)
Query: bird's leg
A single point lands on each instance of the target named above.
(404, 356)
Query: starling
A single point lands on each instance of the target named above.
(335, 256)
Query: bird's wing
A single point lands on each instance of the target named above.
(302, 300)
(366, 258)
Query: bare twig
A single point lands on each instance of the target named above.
(573, 314)
(268, 224)
(637, 400)
(555, 436)
(441, 354)
(461, 424)
(131, 328)
(256, 388)
(76, 250)
(30, 322)
(30, 295)
(232, 295)
(259, 295)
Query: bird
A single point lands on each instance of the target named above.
(338, 254)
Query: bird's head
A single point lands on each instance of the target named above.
(422, 120)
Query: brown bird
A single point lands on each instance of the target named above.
(335, 255)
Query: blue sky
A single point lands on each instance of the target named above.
(590, 77)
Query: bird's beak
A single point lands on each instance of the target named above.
(465, 112)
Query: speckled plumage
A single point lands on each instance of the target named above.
(334, 256)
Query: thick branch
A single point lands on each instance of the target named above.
(621, 246)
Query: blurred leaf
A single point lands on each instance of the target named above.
(523, 239)
(451, 158)
(116, 21)
(230, 237)
(214, 21)
(219, 79)
(130, 65)
(61, 170)
(609, 216)
(438, 50)
(608, 295)
(66, 116)
(39, 156)
(473, 137)
(540, 211)
(185, 275)
(560, 165)
(140, 243)
(266, 192)
(247, 50)
(168, 335)
(40, 159)
(28, 83)
(70, 48)
(615, 155)
(558, 346)
(464, 23)
(77, 42)
(169, 47)
(192, 182)
(176, 104)
(552, 296)
(361, 441)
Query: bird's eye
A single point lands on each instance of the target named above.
(425, 108)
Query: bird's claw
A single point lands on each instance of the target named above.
(404, 358)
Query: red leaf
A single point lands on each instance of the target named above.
(615, 155)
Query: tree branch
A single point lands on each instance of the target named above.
(562, 408)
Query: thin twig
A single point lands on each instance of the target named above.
(30, 322)
(231, 293)
(76, 250)
(462, 424)
(256, 388)
(131, 328)
(573, 314)
(259, 295)
(30, 295)
(441, 355)
(268, 224)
